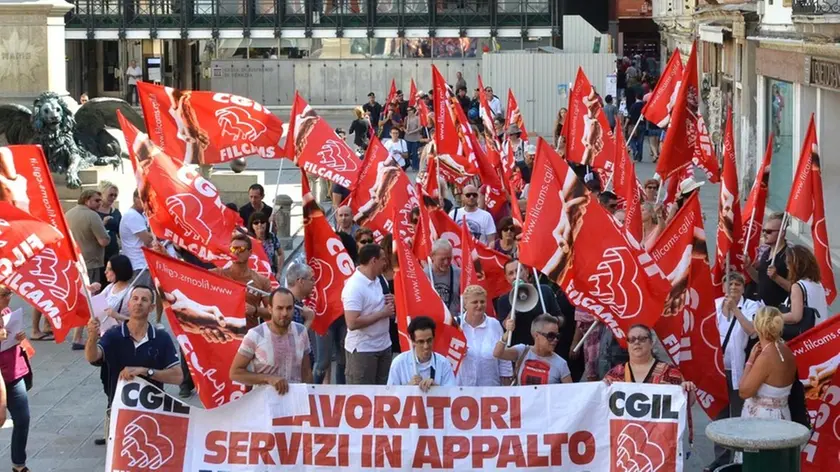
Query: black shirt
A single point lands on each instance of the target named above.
(375, 110)
(359, 129)
(771, 293)
(522, 331)
(247, 209)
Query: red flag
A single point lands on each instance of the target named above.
(688, 326)
(392, 94)
(753, 212)
(423, 239)
(821, 453)
(815, 352)
(383, 190)
(487, 119)
(22, 237)
(258, 262)
(729, 213)
(313, 145)
(415, 296)
(326, 255)
(627, 187)
(673, 188)
(658, 108)
(209, 334)
(54, 280)
(430, 179)
(181, 206)
(472, 270)
(513, 115)
(412, 97)
(423, 110)
(608, 275)
(589, 139)
(209, 127)
(687, 140)
(486, 170)
(457, 162)
(806, 203)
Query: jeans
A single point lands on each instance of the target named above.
(636, 146)
(326, 345)
(413, 157)
(17, 402)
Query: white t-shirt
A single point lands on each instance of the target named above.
(734, 358)
(405, 366)
(277, 355)
(133, 223)
(395, 148)
(479, 222)
(815, 293)
(133, 73)
(365, 296)
(479, 368)
(539, 370)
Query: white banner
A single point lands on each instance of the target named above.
(575, 427)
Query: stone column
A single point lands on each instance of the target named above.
(32, 54)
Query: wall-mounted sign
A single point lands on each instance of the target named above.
(635, 8)
(823, 73)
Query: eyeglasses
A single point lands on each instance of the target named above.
(365, 241)
(551, 336)
(651, 187)
(769, 231)
(424, 342)
(471, 195)
(638, 339)
(238, 249)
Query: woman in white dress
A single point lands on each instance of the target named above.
(480, 368)
(770, 371)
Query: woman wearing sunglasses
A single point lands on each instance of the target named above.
(507, 243)
(537, 364)
(258, 228)
(642, 366)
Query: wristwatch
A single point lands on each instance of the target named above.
(151, 373)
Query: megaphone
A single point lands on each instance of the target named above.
(526, 297)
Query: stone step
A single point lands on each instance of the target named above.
(72, 194)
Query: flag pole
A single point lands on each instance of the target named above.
(277, 185)
(779, 239)
(585, 335)
(749, 233)
(515, 297)
(539, 290)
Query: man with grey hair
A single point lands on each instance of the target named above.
(300, 280)
(479, 222)
(445, 276)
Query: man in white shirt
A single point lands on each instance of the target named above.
(493, 101)
(421, 366)
(479, 222)
(135, 234)
(367, 311)
(133, 73)
(734, 313)
(397, 148)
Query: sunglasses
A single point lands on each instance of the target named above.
(365, 241)
(238, 249)
(638, 339)
(261, 222)
(769, 231)
(507, 228)
(552, 336)
(471, 195)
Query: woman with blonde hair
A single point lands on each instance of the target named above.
(360, 129)
(770, 371)
(480, 368)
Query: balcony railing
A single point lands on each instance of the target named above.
(313, 14)
(816, 7)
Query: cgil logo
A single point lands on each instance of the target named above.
(640, 405)
(150, 397)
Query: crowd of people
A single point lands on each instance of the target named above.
(536, 346)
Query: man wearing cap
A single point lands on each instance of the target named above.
(373, 108)
(514, 145)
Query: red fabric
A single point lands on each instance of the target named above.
(181, 206)
(472, 270)
(220, 126)
(753, 212)
(513, 115)
(589, 139)
(23, 237)
(54, 280)
(729, 214)
(208, 357)
(626, 187)
(431, 178)
(658, 108)
(415, 296)
(423, 110)
(821, 452)
(608, 275)
(687, 140)
(423, 239)
(382, 191)
(313, 145)
(456, 159)
(487, 118)
(326, 254)
(412, 94)
(688, 326)
(806, 203)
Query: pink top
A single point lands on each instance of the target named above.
(12, 364)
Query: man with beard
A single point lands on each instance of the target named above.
(274, 353)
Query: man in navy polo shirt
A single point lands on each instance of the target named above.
(134, 348)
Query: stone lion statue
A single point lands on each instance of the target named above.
(73, 140)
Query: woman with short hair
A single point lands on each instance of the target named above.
(643, 367)
(479, 367)
(537, 364)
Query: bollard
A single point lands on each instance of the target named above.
(767, 444)
(282, 214)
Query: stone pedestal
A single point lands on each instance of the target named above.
(32, 57)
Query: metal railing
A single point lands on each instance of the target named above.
(816, 7)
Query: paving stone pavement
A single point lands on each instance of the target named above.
(67, 402)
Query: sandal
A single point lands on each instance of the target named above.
(44, 337)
